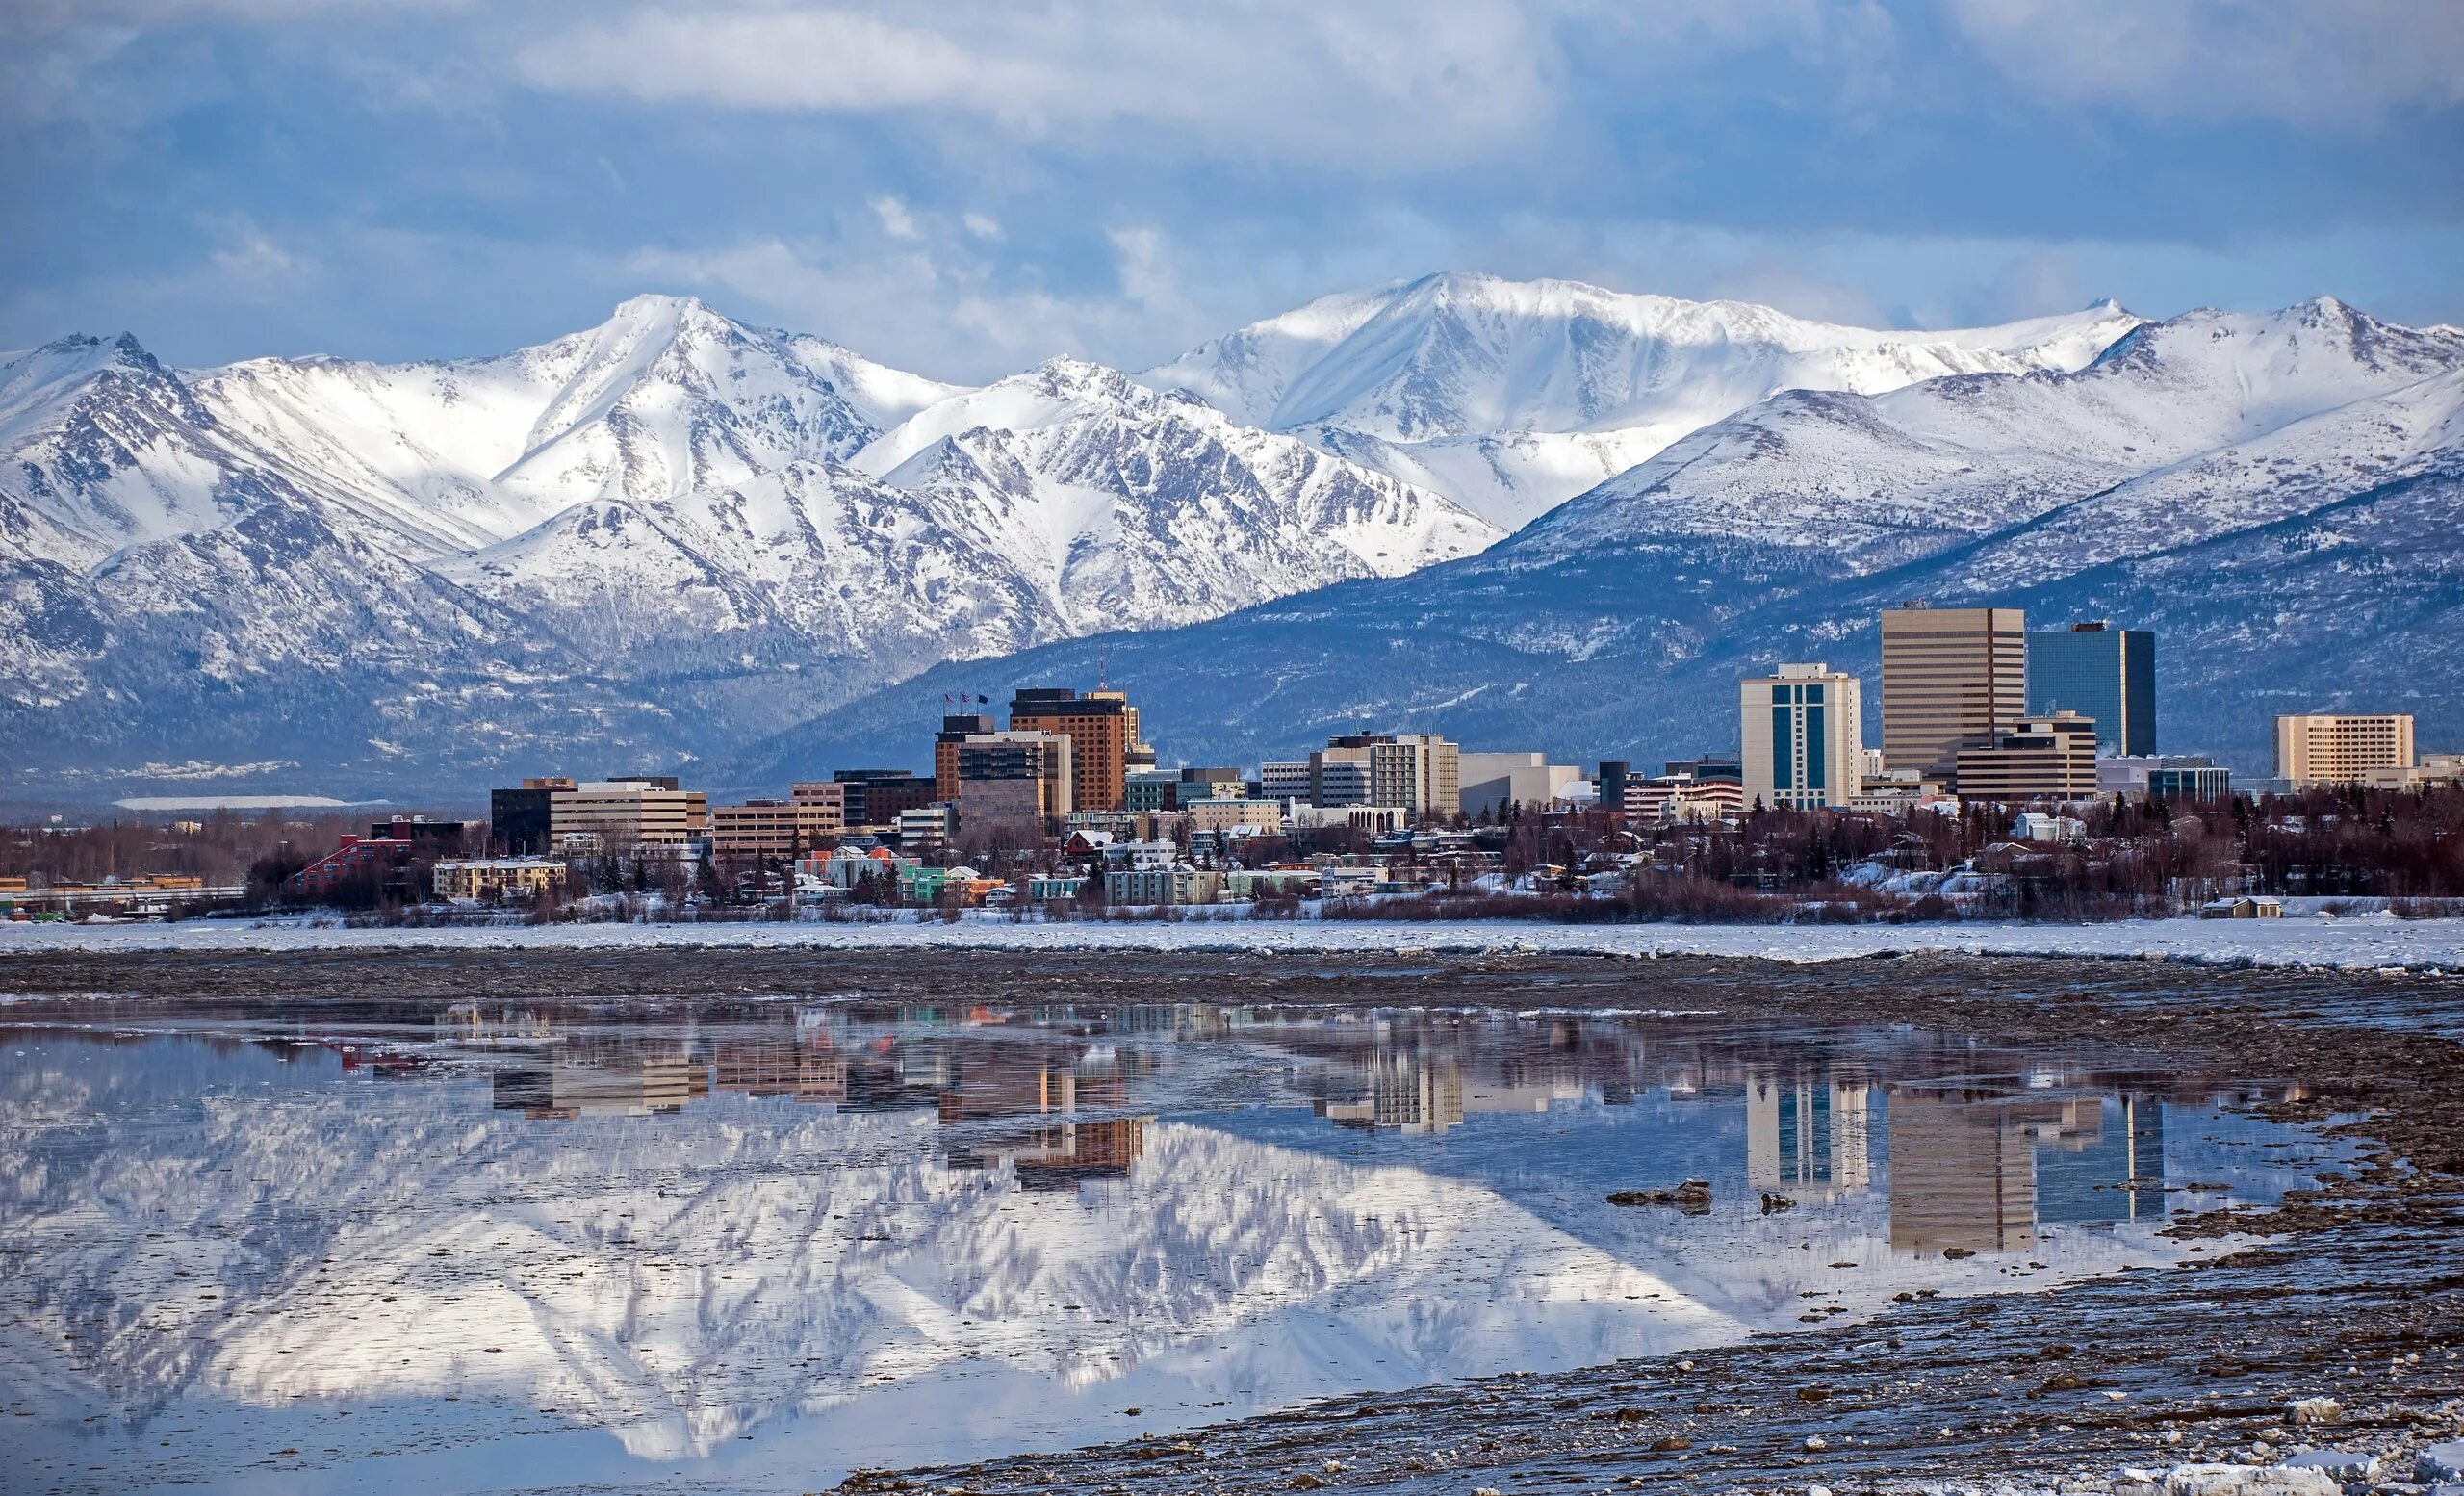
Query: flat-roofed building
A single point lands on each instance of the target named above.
(1422, 772)
(617, 815)
(1263, 817)
(955, 730)
(494, 877)
(1102, 729)
(1013, 775)
(518, 819)
(1951, 677)
(2332, 748)
(814, 815)
(2100, 672)
(1490, 780)
(2052, 757)
(874, 797)
(1804, 738)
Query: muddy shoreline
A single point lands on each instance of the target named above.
(2360, 1299)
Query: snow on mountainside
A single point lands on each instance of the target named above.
(670, 496)
(2194, 408)
(1511, 396)
(2279, 496)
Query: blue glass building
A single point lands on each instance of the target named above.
(2102, 672)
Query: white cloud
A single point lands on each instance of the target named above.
(930, 302)
(1379, 81)
(981, 225)
(897, 221)
(2346, 63)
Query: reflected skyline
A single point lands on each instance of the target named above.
(758, 1242)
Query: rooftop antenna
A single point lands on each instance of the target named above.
(1100, 683)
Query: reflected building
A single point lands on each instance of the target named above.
(1962, 1175)
(1983, 1173)
(1409, 1093)
(1809, 1136)
(807, 1069)
(600, 1080)
(1059, 1155)
(2108, 1167)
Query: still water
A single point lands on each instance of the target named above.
(594, 1246)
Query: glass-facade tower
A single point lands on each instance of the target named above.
(2101, 672)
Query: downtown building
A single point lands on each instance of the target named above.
(2101, 672)
(1016, 777)
(813, 816)
(1804, 733)
(616, 816)
(1102, 729)
(2327, 748)
(2049, 758)
(1418, 773)
(1952, 677)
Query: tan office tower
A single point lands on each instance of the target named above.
(1950, 675)
(2324, 749)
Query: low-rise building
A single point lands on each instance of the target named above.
(628, 812)
(1047, 887)
(814, 815)
(1490, 780)
(1172, 883)
(927, 825)
(357, 857)
(2046, 758)
(497, 877)
(1261, 818)
(2188, 779)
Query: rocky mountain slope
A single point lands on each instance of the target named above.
(631, 545)
(1511, 396)
(2279, 496)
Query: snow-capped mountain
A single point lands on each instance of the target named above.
(1510, 396)
(2279, 496)
(492, 559)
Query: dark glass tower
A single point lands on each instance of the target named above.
(2098, 671)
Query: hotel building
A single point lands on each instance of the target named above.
(1804, 735)
(2321, 748)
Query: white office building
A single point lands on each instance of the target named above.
(1805, 744)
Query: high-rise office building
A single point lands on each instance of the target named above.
(1951, 675)
(945, 749)
(1102, 729)
(1805, 737)
(2102, 672)
(1013, 775)
(2324, 748)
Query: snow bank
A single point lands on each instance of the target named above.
(2345, 944)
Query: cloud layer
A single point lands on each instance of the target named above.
(969, 187)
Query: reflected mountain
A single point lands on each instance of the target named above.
(772, 1241)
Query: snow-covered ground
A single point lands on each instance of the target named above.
(2363, 943)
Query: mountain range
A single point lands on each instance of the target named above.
(2280, 497)
(677, 539)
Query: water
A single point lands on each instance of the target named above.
(398, 1247)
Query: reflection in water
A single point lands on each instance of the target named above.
(761, 1244)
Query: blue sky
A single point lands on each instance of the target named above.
(965, 189)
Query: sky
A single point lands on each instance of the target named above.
(965, 189)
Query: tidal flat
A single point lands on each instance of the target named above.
(778, 1220)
